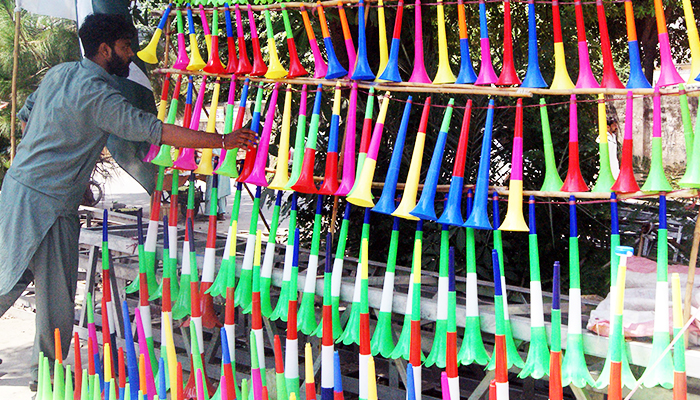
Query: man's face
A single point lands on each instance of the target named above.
(120, 58)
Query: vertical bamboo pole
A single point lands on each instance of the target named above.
(691, 272)
(13, 112)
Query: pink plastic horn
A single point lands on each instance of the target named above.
(257, 176)
(419, 75)
(574, 181)
(586, 80)
(625, 182)
(259, 67)
(182, 59)
(320, 66)
(186, 160)
(348, 180)
(487, 75)
(244, 65)
(669, 74)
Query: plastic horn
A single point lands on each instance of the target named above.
(617, 335)
(259, 67)
(108, 312)
(669, 74)
(382, 341)
(244, 65)
(327, 343)
(687, 127)
(337, 379)
(251, 154)
(391, 71)
(231, 42)
(205, 25)
(500, 351)
(144, 355)
(214, 65)
(185, 161)
(537, 362)
(478, 219)
(170, 351)
(472, 350)
(361, 194)
(660, 368)
(196, 62)
(637, 79)
(282, 169)
(227, 161)
(625, 182)
(143, 286)
(306, 313)
(330, 181)
(291, 360)
(452, 213)
(605, 178)
(335, 70)
(408, 201)
(561, 80)
(692, 172)
(387, 202)
(514, 220)
(297, 159)
(366, 136)
(556, 391)
(305, 182)
(320, 66)
(366, 364)
(444, 73)
(487, 75)
(148, 54)
(418, 75)
(205, 166)
(44, 388)
(416, 353)
(58, 372)
(78, 365)
(58, 376)
(257, 343)
(574, 369)
(183, 304)
(451, 356)
(437, 355)
(257, 175)
(243, 294)
(230, 309)
(574, 181)
(362, 70)
(383, 49)
(466, 69)
(586, 80)
(281, 385)
(425, 209)
(94, 365)
(610, 79)
(280, 311)
(533, 76)
(209, 318)
(680, 384)
(508, 75)
(132, 365)
(187, 117)
(552, 181)
(694, 40)
(310, 384)
(656, 180)
(162, 112)
(164, 158)
(276, 70)
(347, 36)
(348, 180)
(351, 333)
(410, 383)
(295, 67)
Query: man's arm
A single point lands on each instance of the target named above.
(182, 137)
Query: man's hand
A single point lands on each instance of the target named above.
(182, 137)
(242, 138)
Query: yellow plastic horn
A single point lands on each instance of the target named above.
(383, 48)
(361, 194)
(514, 220)
(410, 190)
(275, 70)
(148, 54)
(196, 62)
(205, 166)
(444, 73)
(694, 40)
(282, 171)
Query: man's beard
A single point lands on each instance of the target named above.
(118, 67)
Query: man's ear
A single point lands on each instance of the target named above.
(105, 50)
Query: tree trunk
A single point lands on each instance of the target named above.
(648, 40)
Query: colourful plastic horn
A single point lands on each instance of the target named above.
(382, 340)
(365, 357)
(408, 201)
(561, 80)
(307, 312)
(348, 180)
(280, 311)
(552, 181)
(361, 194)
(556, 391)
(186, 161)
(214, 65)
(259, 67)
(466, 69)
(205, 166)
(680, 384)
(131, 363)
(205, 24)
(78, 364)
(478, 219)
(305, 182)
(691, 178)
(487, 75)
(625, 182)
(418, 75)
(387, 203)
(209, 317)
(335, 70)
(243, 294)
(291, 360)
(537, 362)
(258, 175)
(574, 369)
(533, 76)
(659, 371)
(500, 352)
(687, 125)
(337, 379)
(391, 71)
(366, 136)
(144, 354)
(330, 181)
(656, 180)
(251, 154)
(183, 304)
(586, 80)
(244, 66)
(610, 79)
(327, 344)
(347, 37)
(444, 72)
(162, 111)
(108, 311)
(605, 178)
(297, 159)
(383, 49)
(416, 353)
(574, 181)
(508, 75)
(282, 169)
(694, 41)
(58, 376)
(257, 341)
(279, 370)
(196, 61)
(425, 209)
(164, 157)
(515, 221)
(637, 78)
(143, 288)
(362, 71)
(295, 67)
(227, 161)
(276, 70)
(451, 374)
(320, 66)
(231, 42)
(617, 335)
(148, 54)
(437, 355)
(669, 74)
(310, 384)
(229, 329)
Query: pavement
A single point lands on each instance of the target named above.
(17, 326)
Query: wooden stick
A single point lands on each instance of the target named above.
(691, 272)
(13, 113)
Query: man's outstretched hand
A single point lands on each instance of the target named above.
(242, 138)
(182, 137)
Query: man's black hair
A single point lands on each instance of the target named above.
(104, 28)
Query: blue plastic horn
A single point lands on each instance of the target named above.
(386, 203)
(466, 69)
(533, 77)
(335, 70)
(425, 209)
(391, 71)
(452, 213)
(362, 70)
(479, 219)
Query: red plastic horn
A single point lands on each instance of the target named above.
(295, 67)
(214, 65)
(348, 180)
(508, 75)
(625, 182)
(610, 78)
(244, 66)
(259, 67)
(574, 181)
(232, 57)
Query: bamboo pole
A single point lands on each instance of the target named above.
(13, 112)
(691, 272)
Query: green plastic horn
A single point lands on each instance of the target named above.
(692, 172)
(382, 340)
(605, 178)
(218, 288)
(269, 259)
(307, 310)
(182, 306)
(656, 180)
(282, 307)
(438, 351)
(244, 293)
(552, 181)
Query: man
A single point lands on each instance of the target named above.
(66, 123)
